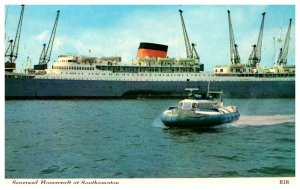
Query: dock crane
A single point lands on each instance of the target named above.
(189, 53)
(46, 52)
(255, 55)
(194, 52)
(283, 52)
(234, 54)
(11, 53)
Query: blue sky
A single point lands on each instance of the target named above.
(117, 30)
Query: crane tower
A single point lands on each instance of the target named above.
(46, 52)
(234, 54)
(11, 52)
(283, 52)
(255, 55)
(189, 52)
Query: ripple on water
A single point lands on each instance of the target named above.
(100, 160)
(117, 174)
(277, 157)
(289, 140)
(23, 122)
(53, 169)
(273, 171)
(10, 170)
(225, 174)
(227, 157)
(26, 146)
(229, 174)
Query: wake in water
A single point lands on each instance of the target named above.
(263, 120)
(157, 123)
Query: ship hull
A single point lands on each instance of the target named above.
(30, 88)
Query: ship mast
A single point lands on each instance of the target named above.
(283, 53)
(46, 52)
(255, 55)
(234, 54)
(189, 53)
(12, 50)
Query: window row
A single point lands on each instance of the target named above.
(72, 68)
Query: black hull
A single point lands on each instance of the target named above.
(30, 88)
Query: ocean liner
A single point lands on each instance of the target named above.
(153, 74)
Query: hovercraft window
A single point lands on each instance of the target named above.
(187, 105)
(180, 105)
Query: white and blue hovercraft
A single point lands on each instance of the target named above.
(200, 111)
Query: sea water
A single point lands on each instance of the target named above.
(126, 139)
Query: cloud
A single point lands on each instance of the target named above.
(41, 37)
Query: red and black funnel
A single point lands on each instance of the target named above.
(152, 50)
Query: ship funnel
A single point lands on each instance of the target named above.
(152, 50)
